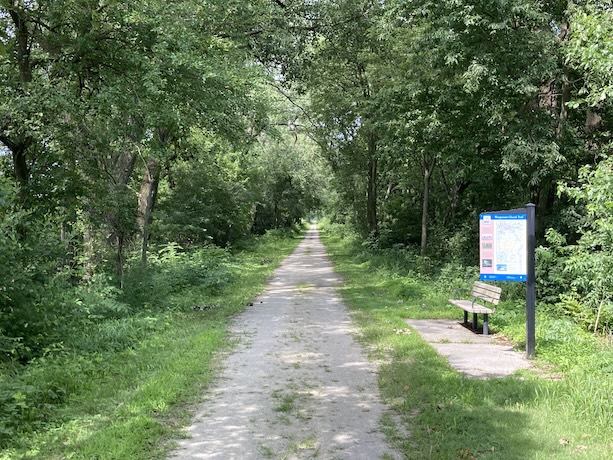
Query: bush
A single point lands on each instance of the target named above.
(552, 278)
(28, 399)
(171, 269)
(206, 204)
(455, 277)
(97, 300)
(458, 244)
(590, 263)
(405, 288)
(339, 230)
(35, 310)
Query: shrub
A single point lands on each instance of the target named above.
(171, 269)
(455, 277)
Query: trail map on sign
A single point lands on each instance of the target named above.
(503, 243)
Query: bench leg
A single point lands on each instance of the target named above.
(465, 317)
(485, 328)
(475, 321)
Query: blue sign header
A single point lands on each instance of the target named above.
(503, 216)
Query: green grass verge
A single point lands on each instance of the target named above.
(131, 404)
(444, 415)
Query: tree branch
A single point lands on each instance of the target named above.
(294, 103)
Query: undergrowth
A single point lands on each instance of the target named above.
(118, 383)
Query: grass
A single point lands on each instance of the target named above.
(441, 414)
(131, 403)
(303, 288)
(286, 402)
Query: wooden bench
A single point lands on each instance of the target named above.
(484, 292)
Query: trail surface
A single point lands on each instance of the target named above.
(297, 385)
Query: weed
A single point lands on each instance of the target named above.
(287, 402)
(267, 452)
(302, 288)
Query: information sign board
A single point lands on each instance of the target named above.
(503, 246)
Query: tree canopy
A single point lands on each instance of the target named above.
(127, 126)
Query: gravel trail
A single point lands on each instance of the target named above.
(297, 385)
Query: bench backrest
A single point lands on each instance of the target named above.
(486, 292)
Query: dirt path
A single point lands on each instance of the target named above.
(298, 385)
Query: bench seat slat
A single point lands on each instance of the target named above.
(468, 306)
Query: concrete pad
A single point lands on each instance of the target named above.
(448, 331)
(472, 354)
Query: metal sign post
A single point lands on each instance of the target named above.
(530, 283)
(506, 253)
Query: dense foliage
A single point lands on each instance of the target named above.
(127, 128)
(430, 112)
(116, 385)
(135, 133)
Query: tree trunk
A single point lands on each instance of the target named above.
(275, 214)
(427, 167)
(119, 258)
(543, 196)
(146, 202)
(19, 144)
(124, 167)
(454, 190)
(89, 252)
(122, 170)
(22, 173)
(371, 205)
(565, 90)
(20, 165)
(22, 35)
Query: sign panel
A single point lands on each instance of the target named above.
(503, 246)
